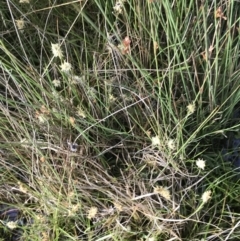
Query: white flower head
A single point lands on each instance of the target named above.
(191, 108)
(200, 163)
(206, 196)
(20, 24)
(171, 144)
(24, 1)
(118, 8)
(66, 67)
(11, 225)
(56, 50)
(92, 212)
(56, 82)
(155, 141)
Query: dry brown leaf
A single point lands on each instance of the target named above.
(219, 14)
(126, 45)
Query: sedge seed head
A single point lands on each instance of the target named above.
(206, 196)
(200, 163)
(56, 50)
(66, 67)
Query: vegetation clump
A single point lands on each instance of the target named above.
(115, 119)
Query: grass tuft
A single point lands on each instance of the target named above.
(116, 119)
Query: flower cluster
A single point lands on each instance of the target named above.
(119, 5)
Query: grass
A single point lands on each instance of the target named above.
(120, 137)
